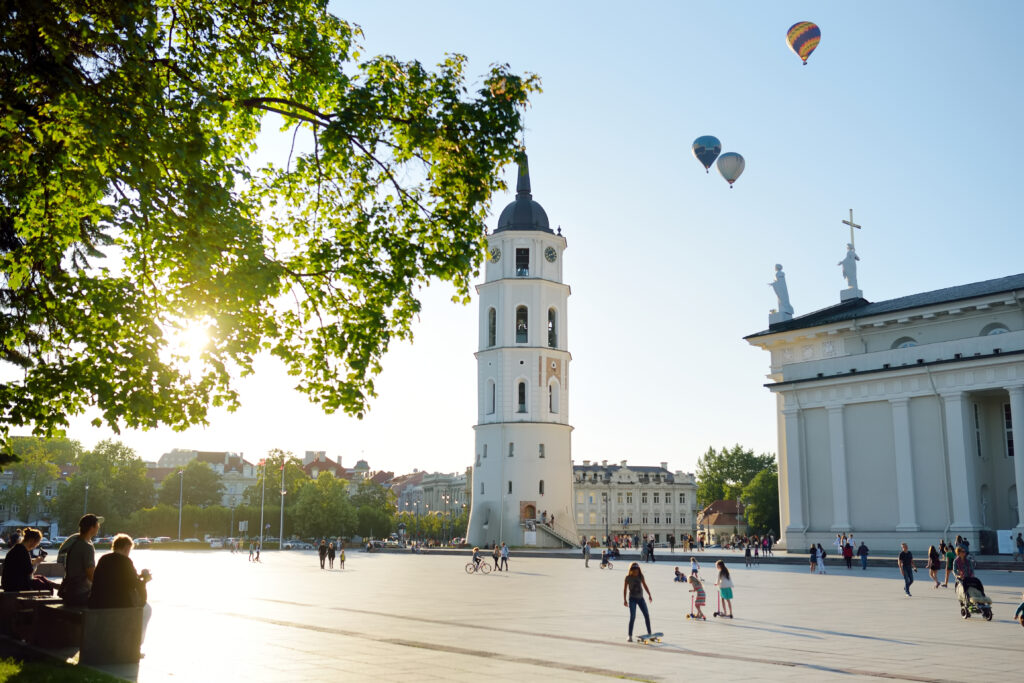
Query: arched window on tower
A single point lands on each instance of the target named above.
(490, 396)
(522, 325)
(904, 343)
(541, 487)
(553, 397)
(492, 327)
(521, 397)
(552, 328)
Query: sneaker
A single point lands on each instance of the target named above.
(630, 639)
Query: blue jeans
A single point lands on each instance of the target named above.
(642, 604)
(908, 578)
(863, 561)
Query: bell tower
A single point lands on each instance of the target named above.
(522, 471)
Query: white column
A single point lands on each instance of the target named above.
(904, 464)
(1017, 421)
(794, 475)
(961, 468)
(837, 451)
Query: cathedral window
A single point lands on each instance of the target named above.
(492, 327)
(522, 262)
(510, 486)
(521, 397)
(522, 325)
(490, 396)
(540, 488)
(481, 488)
(1008, 429)
(540, 450)
(977, 428)
(994, 328)
(553, 398)
(485, 450)
(904, 343)
(552, 328)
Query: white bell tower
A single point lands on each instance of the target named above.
(523, 466)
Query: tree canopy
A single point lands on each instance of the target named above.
(199, 485)
(117, 481)
(133, 206)
(722, 474)
(762, 498)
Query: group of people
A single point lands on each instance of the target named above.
(500, 555)
(956, 557)
(110, 583)
(328, 552)
(846, 547)
(635, 585)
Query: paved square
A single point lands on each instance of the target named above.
(390, 617)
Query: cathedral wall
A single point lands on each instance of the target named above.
(927, 446)
(871, 466)
(819, 469)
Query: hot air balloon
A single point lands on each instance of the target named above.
(731, 165)
(707, 148)
(802, 37)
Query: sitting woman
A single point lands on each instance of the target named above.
(20, 566)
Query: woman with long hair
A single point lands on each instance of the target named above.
(633, 596)
(933, 565)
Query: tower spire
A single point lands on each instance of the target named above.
(523, 185)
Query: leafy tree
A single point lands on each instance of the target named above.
(199, 485)
(761, 496)
(294, 476)
(373, 522)
(721, 475)
(322, 508)
(30, 476)
(131, 205)
(117, 481)
(371, 494)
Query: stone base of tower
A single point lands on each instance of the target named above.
(487, 528)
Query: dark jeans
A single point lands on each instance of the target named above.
(504, 563)
(642, 604)
(863, 561)
(908, 578)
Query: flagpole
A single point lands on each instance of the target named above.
(263, 497)
(280, 529)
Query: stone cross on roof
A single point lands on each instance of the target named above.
(852, 226)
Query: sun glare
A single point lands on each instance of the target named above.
(190, 339)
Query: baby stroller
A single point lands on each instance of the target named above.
(971, 594)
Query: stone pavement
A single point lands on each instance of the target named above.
(390, 617)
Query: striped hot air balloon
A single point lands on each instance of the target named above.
(802, 37)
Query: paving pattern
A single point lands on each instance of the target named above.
(390, 617)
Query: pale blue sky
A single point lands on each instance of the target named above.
(907, 112)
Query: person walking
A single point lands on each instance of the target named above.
(341, 556)
(496, 554)
(252, 551)
(821, 560)
(633, 597)
(933, 565)
(321, 550)
(905, 562)
(747, 556)
(1020, 547)
(330, 554)
(724, 584)
(650, 550)
(258, 546)
(504, 556)
(862, 552)
(814, 558)
(949, 556)
(586, 555)
(694, 566)
(848, 555)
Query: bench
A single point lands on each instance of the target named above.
(104, 636)
(17, 609)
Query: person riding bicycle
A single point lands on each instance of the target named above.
(476, 557)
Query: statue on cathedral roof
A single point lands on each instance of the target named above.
(849, 264)
(781, 291)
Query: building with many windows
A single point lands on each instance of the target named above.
(634, 500)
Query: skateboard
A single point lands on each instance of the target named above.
(695, 617)
(649, 638)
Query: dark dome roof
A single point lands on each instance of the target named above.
(523, 213)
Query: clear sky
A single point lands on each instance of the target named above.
(908, 112)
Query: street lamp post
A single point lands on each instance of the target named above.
(85, 505)
(605, 518)
(181, 490)
(263, 497)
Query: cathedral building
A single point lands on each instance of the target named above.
(522, 474)
(896, 418)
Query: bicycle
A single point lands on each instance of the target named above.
(483, 567)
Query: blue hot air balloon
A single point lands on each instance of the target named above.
(707, 148)
(731, 165)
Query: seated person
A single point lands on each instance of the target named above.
(116, 584)
(604, 557)
(78, 556)
(679, 576)
(20, 566)
(476, 556)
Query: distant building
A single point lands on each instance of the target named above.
(316, 462)
(178, 457)
(634, 500)
(720, 520)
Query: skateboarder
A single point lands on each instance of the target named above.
(635, 586)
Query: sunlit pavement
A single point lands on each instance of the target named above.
(386, 617)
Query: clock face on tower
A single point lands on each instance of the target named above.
(550, 254)
(495, 255)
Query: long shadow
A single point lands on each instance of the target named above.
(733, 624)
(838, 633)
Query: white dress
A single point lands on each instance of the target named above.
(821, 561)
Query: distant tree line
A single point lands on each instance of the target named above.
(738, 474)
